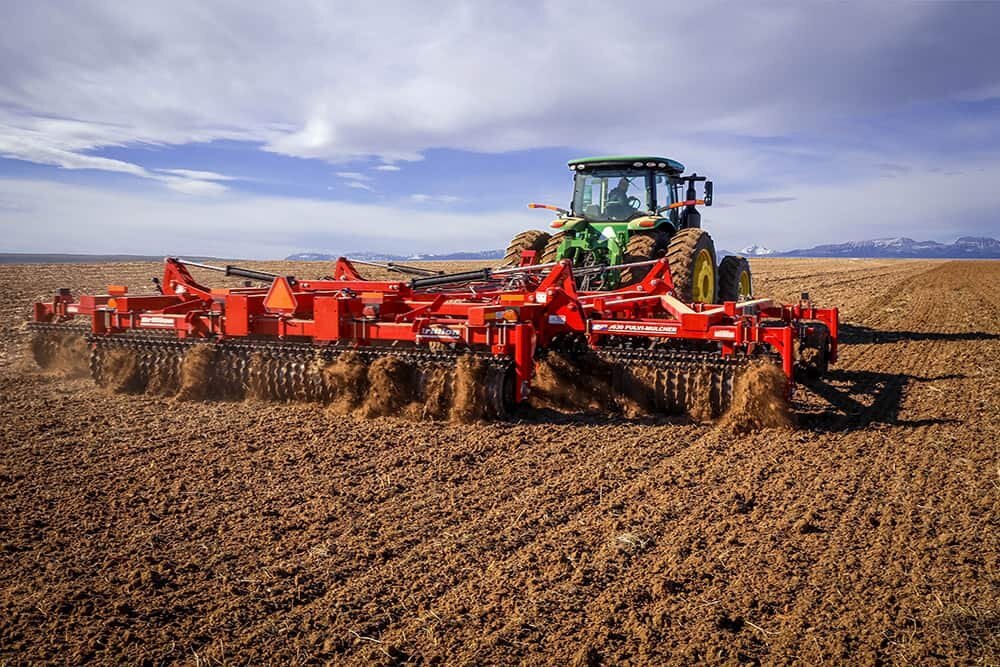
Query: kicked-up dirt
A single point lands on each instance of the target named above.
(150, 529)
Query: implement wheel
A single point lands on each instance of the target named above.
(640, 247)
(533, 239)
(735, 281)
(691, 254)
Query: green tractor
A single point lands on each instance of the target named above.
(630, 209)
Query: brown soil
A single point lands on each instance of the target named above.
(196, 373)
(760, 400)
(347, 380)
(120, 372)
(66, 354)
(143, 529)
(573, 384)
(469, 403)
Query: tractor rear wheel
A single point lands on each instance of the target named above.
(550, 252)
(735, 281)
(642, 246)
(533, 239)
(691, 254)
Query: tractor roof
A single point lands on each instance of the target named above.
(660, 163)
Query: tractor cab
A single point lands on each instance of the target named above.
(618, 189)
(621, 189)
(626, 211)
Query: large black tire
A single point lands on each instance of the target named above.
(640, 247)
(685, 247)
(732, 269)
(551, 249)
(533, 239)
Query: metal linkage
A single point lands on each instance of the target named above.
(399, 268)
(231, 270)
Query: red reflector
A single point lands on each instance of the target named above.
(280, 297)
(557, 224)
(646, 223)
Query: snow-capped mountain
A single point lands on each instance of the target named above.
(902, 246)
(756, 251)
(977, 244)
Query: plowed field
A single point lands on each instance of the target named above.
(137, 529)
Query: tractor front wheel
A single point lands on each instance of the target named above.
(735, 282)
(533, 239)
(642, 246)
(691, 254)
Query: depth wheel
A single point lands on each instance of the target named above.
(691, 254)
(533, 239)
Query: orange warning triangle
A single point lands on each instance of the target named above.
(280, 297)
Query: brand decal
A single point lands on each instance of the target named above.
(440, 332)
(155, 321)
(557, 319)
(625, 327)
(724, 334)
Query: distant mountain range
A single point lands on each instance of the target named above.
(967, 247)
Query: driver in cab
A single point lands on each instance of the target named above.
(619, 195)
(618, 207)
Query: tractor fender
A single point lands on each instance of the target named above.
(567, 224)
(647, 222)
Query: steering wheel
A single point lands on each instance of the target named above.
(634, 203)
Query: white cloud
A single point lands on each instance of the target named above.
(354, 175)
(232, 224)
(199, 175)
(195, 187)
(235, 224)
(36, 146)
(924, 206)
(422, 198)
(391, 80)
(60, 143)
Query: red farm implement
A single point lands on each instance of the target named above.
(642, 339)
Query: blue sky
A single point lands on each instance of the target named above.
(257, 131)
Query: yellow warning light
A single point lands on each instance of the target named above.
(112, 303)
(510, 315)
